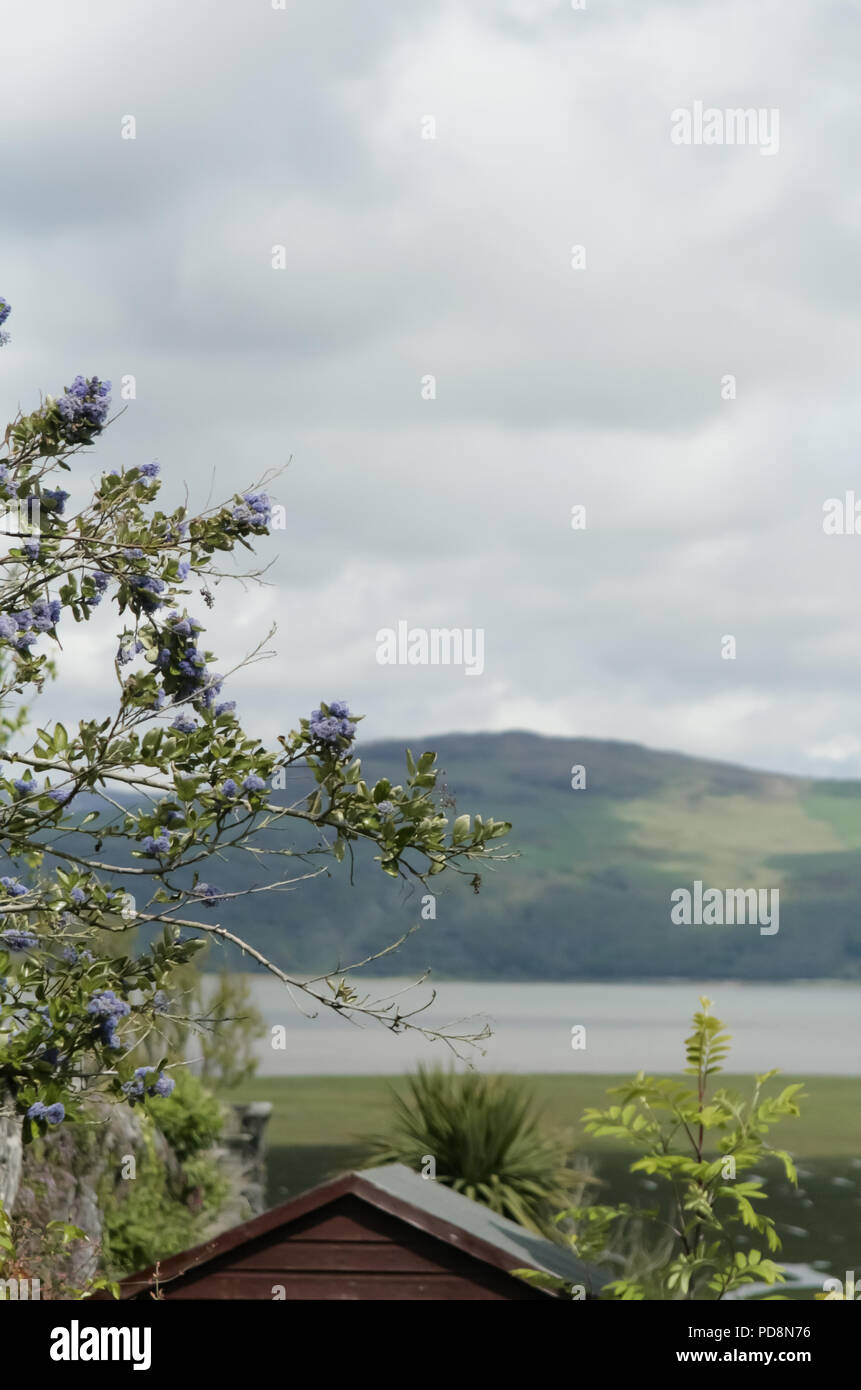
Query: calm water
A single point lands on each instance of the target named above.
(801, 1028)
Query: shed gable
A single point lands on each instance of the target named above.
(348, 1249)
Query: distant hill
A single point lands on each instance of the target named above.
(589, 895)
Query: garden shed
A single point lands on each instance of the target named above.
(382, 1233)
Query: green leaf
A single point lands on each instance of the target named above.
(460, 830)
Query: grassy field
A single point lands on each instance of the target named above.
(320, 1125)
(345, 1109)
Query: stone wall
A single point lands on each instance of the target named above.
(63, 1185)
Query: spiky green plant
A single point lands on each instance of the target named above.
(486, 1140)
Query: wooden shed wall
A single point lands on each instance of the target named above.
(349, 1250)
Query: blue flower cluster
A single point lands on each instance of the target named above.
(22, 628)
(46, 614)
(105, 1006)
(71, 955)
(184, 723)
(13, 887)
(195, 682)
(84, 407)
(147, 589)
(101, 581)
(14, 939)
(51, 1114)
(252, 783)
(53, 500)
(330, 728)
(153, 846)
(138, 1087)
(255, 511)
(5, 311)
(150, 470)
(209, 894)
(386, 808)
(30, 787)
(127, 653)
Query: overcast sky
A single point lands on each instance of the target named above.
(555, 386)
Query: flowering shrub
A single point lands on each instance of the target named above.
(170, 1205)
(140, 1084)
(72, 1013)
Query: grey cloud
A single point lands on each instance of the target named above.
(452, 257)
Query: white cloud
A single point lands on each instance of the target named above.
(451, 256)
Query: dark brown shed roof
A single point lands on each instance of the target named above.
(383, 1233)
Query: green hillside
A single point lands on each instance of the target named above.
(589, 895)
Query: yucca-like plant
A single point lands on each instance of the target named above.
(486, 1140)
